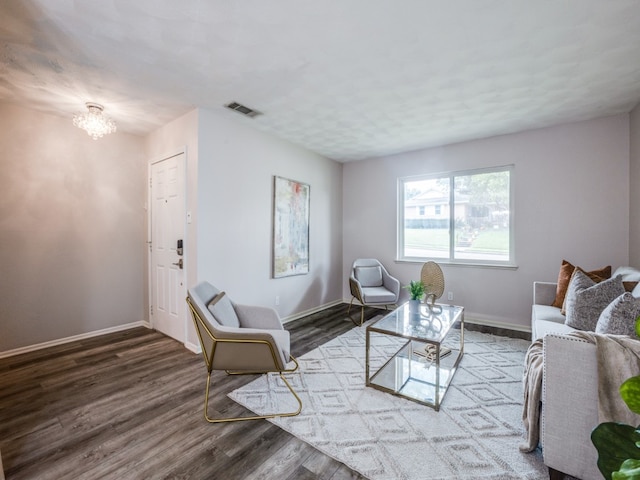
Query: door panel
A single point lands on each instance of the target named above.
(168, 290)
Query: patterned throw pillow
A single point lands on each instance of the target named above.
(619, 317)
(585, 300)
(564, 277)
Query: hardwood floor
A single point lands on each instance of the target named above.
(129, 405)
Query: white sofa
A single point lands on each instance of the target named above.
(569, 388)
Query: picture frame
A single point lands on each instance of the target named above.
(291, 203)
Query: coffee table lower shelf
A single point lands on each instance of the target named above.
(411, 376)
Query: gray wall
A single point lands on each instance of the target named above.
(71, 229)
(571, 201)
(235, 177)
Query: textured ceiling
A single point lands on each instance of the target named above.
(348, 79)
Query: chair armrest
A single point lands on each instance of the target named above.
(390, 283)
(569, 406)
(251, 316)
(356, 289)
(243, 354)
(544, 293)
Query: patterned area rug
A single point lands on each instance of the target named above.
(475, 435)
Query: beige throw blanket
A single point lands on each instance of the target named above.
(532, 383)
(618, 360)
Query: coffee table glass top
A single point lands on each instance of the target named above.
(431, 325)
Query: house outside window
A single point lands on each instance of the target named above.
(472, 220)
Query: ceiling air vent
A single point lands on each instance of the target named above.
(243, 110)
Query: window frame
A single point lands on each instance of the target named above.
(451, 260)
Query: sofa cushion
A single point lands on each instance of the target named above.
(547, 313)
(619, 317)
(564, 277)
(369, 276)
(222, 310)
(546, 327)
(629, 274)
(586, 299)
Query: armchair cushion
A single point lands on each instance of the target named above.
(222, 310)
(374, 295)
(369, 276)
(251, 316)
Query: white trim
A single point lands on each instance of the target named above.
(478, 319)
(485, 320)
(296, 316)
(193, 347)
(82, 336)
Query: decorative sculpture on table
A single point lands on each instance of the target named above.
(433, 280)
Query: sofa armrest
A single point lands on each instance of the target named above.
(544, 293)
(569, 406)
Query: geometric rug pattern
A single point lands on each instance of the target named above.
(475, 435)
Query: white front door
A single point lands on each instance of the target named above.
(167, 277)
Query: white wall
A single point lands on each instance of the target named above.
(235, 188)
(634, 184)
(181, 134)
(71, 229)
(571, 201)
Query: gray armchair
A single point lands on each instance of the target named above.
(371, 285)
(239, 339)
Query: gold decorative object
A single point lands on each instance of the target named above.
(433, 280)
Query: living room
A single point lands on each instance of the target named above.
(75, 215)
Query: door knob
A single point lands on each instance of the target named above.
(179, 264)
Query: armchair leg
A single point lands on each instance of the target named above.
(256, 417)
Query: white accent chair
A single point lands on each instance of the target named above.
(371, 285)
(239, 339)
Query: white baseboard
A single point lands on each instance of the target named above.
(82, 336)
(195, 348)
(478, 319)
(486, 320)
(296, 316)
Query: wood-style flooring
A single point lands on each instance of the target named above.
(129, 405)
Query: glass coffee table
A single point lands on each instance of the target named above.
(420, 370)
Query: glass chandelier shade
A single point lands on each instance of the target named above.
(94, 122)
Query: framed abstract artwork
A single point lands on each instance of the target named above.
(290, 227)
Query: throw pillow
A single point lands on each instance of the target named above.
(586, 300)
(222, 310)
(369, 276)
(619, 317)
(564, 277)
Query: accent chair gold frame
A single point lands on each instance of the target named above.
(371, 285)
(241, 350)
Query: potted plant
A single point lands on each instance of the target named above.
(416, 291)
(618, 444)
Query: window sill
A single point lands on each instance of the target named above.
(448, 263)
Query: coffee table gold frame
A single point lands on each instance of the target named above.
(407, 374)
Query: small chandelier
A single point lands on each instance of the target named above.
(94, 121)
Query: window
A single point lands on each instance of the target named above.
(472, 220)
